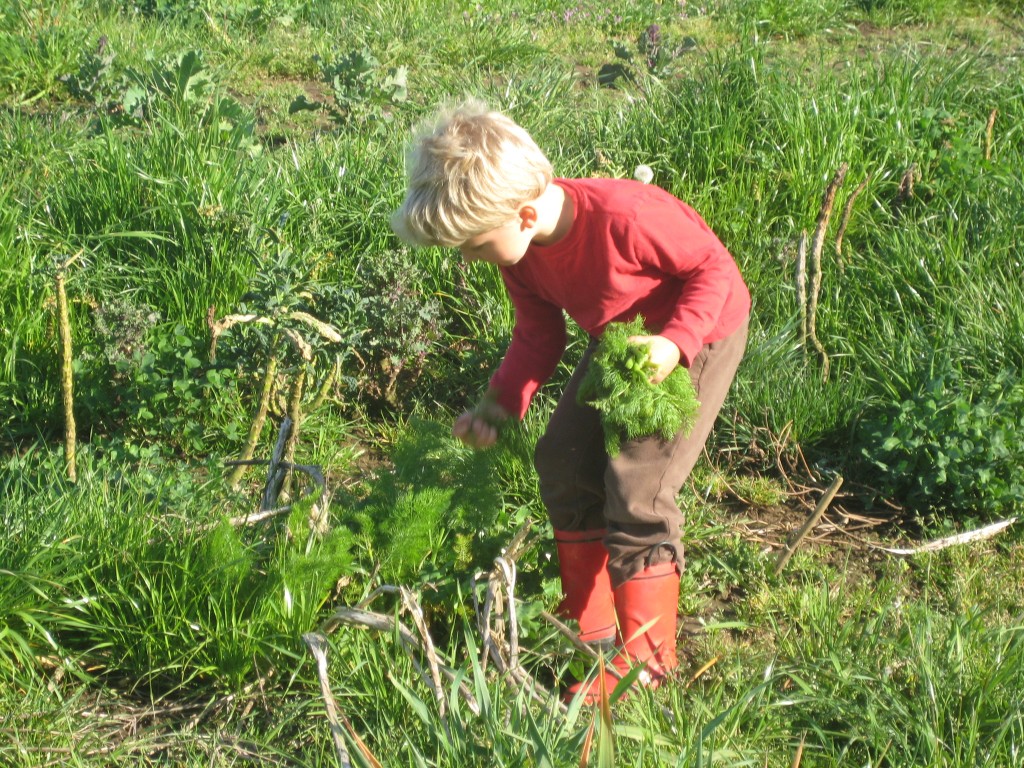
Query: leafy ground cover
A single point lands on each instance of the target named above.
(212, 181)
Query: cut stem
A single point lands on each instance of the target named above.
(295, 414)
(266, 392)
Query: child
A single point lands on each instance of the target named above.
(601, 250)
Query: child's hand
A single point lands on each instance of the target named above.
(478, 428)
(664, 355)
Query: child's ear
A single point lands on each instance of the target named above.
(527, 217)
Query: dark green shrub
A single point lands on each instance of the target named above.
(363, 90)
(952, 445)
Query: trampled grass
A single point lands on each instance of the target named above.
(138, 626)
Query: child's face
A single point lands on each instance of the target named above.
(504, 245)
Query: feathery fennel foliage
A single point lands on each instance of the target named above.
(437, 508)
(617, 384)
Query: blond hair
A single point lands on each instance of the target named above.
(469, 171)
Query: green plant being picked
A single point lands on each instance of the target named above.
(617, 383)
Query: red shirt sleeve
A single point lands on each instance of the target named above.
(675, 240)
(538, 341)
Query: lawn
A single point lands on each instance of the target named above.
(236, 528)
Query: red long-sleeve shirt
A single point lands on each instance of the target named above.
(633, 249)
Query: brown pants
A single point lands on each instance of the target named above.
(633, 496)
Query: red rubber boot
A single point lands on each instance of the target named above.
(647, 607)
(586, 586)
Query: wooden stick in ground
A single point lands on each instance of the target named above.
(817, 245)
(316, 643)
(809, 523)
(315, 472)
(66, 378)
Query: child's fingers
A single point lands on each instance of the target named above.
(486, 435)
(474, 431)
(462, 425)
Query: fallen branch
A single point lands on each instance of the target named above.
(979, 534)
(809, 523)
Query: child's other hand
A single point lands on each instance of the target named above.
(664, 355)
(478, 428)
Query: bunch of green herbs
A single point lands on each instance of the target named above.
(618, 384)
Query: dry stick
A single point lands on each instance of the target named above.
(373, 761)
(66, 378)
(847, 212)
(573, 637)
(801, 285)
(504, 572)
(988, 133)
(817, 245)
(316, 643)
(809, 523)
(274, 476)
(266, 392)
(701, 671)
(483, 623)
(518, 543)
